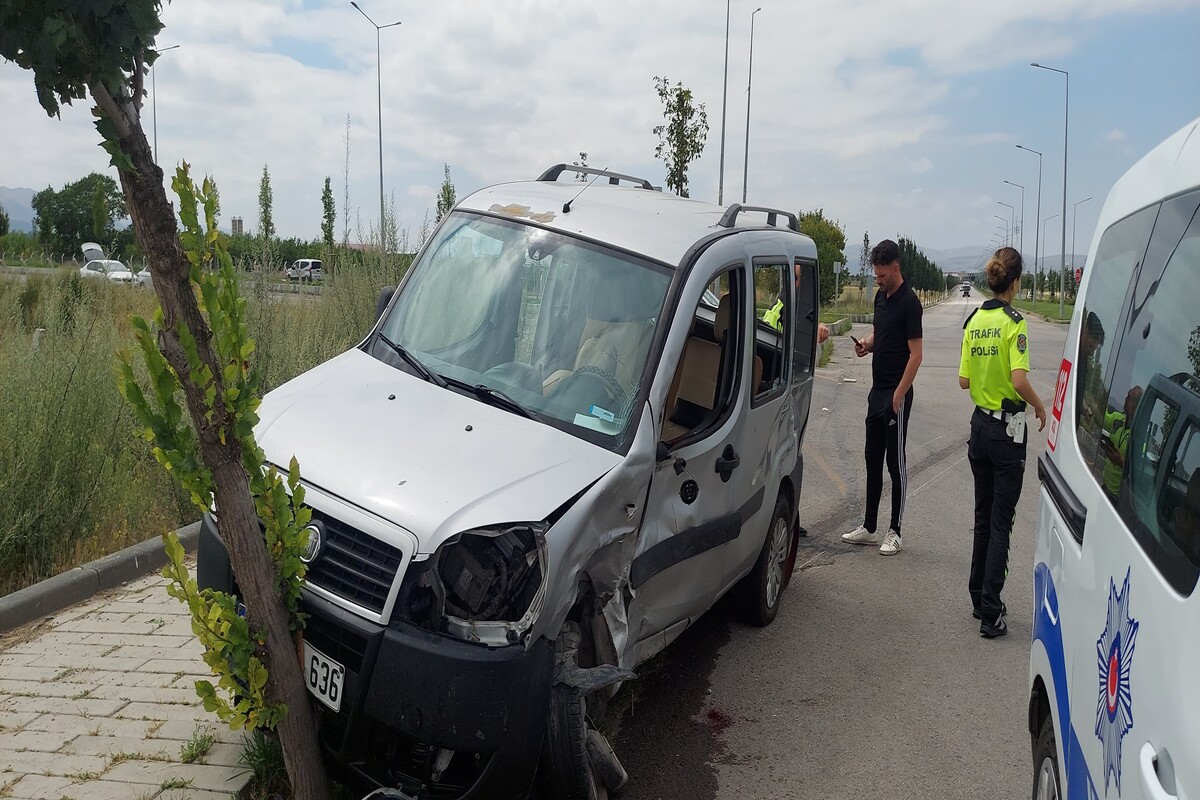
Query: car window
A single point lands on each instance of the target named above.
(773, 315)
(1117, 258)
(1159, 346)
(806, 316)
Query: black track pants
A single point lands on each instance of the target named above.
(887, 434)
(998, 465)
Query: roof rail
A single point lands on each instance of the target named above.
(614, 178)
(729, 218)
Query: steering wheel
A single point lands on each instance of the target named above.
(612, 389)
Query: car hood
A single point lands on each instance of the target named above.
(430, 460)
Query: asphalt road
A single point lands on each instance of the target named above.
(873, 682)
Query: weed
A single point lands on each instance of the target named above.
(175, 783)
(263, 755)
(84, 694)
(194, 749)
(80, 777)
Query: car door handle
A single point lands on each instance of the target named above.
(1152, 786)
(727, 462)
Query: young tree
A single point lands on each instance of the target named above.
(346, 189)
(329, 214)
(830, 239)
(864, 259)
(445, 197)
(4, 223)
(198, 346)
(266, 224)
(681, 139)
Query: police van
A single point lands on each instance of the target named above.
(1114, 705)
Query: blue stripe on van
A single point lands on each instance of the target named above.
(1047, 628)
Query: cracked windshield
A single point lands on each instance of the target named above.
(559, 326)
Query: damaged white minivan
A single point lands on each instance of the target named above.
(569, 433)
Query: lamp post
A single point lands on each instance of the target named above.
(1074, 219)
(379, 100)
(749, 79)
(1022, 188)
(1005, 221)
(154, 99)
(1047, 219)
(724, 97)
(1012, 227)
(1062, 276)
(1037, 268)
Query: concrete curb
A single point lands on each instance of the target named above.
(74, 586)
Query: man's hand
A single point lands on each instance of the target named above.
(860, 348)
(822, 332)
(1040, 411)
(897, 401)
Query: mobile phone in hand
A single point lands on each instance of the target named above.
(857, 343)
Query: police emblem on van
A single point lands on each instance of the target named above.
(1114, 654)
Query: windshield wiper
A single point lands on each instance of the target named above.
(422, 370)
(500, 399)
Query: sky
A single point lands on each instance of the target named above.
(896, 117)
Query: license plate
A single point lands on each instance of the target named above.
(323, 676)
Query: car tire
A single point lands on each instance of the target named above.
(1045, 763)
(565, 771)
(762, 589)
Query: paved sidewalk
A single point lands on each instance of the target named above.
(98, 701)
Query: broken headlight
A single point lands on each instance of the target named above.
(484, 585)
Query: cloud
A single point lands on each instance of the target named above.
(1115, 135)
(919, 165)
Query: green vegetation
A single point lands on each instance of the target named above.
(1046, 308)
(681, 139)
(196, 748)
(830, 239)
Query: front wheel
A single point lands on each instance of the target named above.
(763, 588)
(1045, 763)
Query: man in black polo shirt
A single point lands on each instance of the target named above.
(896, 345)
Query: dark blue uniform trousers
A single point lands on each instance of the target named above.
(998, 464)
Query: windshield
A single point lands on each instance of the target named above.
(560, 326)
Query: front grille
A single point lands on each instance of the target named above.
(354, 565)
(339, 643)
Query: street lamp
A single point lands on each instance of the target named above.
(724, 97)
(379, 99)
(1022, 188)
(1062, 276)
(749, 78)
(1005, 221)
(1036, 266)
(1047, 219)
(154, 100)
(1012, 216)
(1074, 218)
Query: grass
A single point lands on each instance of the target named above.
(196, 748)
(1046, 307)
(263, 756)
(826, 352)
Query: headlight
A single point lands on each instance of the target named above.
(484, 585)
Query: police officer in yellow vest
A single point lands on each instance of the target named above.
(773, 316)
(993, 367)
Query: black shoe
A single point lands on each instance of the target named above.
(993, 630)
(977, 615)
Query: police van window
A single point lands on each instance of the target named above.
(773, 324)
(806, 316)
(1117, 257)
(1160, 342)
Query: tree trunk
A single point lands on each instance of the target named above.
(154, 223)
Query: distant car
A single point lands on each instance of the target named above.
(103, 268)
(304, 269)
(966, 290)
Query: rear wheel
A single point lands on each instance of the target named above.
(1045, 763)
(763, 587)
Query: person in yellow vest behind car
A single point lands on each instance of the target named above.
(773, 316)
(994, 367)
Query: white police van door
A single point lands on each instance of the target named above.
(1131, 612)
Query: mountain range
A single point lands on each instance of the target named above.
(18, 204)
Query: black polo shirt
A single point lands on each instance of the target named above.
(897, 319)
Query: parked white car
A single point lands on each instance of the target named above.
(98, 266)
(304, 269)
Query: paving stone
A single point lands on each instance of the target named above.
(41, 741)
(172, 665)
(8, 659)
(192, 794)
(50, 763)
(156, 711)
(87, 624)
(202, 776)
(96, 662)
(182, 730)
(40, 787)
(148, 652)
(81, 708)
(104, 789)
(14, 720)
(109, 746)
(44, 688)
(96, 677)
(93, 727)
(147, 694)
(157, 638)
(225, 754)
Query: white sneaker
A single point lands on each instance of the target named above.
(861, 535)
(891, 544)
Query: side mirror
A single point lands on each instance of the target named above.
(381, 302)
